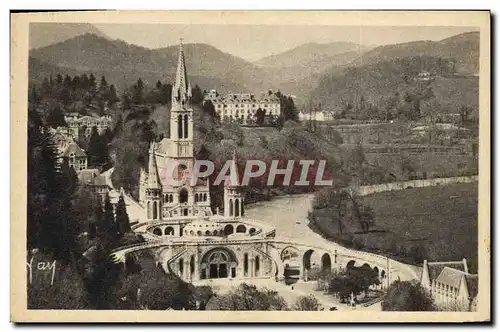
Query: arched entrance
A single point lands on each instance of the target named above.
(241, 229)
(228, 230)
(183, 195)
(306, 263)
(157, 231)
(350, 264)
(218, 263)
(326, 263)
(169, 231)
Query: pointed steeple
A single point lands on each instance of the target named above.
(180, 90)
(153, 179)
(235, 176)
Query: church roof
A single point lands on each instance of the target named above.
(181, 88)
(74, 148)
(153, 179)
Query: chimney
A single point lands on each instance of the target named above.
(466, 268)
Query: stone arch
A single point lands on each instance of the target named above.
(289, 253)
(351, 263)
(219, 263)
(207, 232)
(236, 207)
(186, 126)
(251, 231)
(306, 262)
(157, 231)
(183, 195)
(241, 229)
(326, 263)
(228, 230)
(169, 230)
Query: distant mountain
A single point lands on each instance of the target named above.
(306, 54)
(123, 63)
(463, 48)
(377, 81)
(45, 34)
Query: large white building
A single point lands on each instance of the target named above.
(242, 107)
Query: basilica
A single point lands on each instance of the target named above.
(195, 242)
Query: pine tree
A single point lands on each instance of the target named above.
(138, 92)
(122, 219)
(111, 95)
(93, 148)
(67, 81)
(92, 82)
(56, 118)
(158, 85)
(108, 223)
(197, 95)
(59, 79)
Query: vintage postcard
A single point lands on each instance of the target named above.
(250, 166)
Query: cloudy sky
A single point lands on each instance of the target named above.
(252, 42)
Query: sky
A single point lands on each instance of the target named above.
(253, 42)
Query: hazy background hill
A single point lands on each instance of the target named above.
(45, 34)
(123, 63)
(463, 49)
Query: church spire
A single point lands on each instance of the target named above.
(153, 179)
(180, 90)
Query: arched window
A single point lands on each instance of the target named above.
(149, 210)
(199, 233)
(169, 231)
(157, 231)
(191, 233)
(245, 265)
(215, 233)
(236, 207)
(257, 265)
(179, 126)
(196, 198)
(230, 207)
(204, 197)
(171, 198)
(207, 233)
(191, 265)
(228, 230)
(181, 265)
(186, 128)
(241, 229)
(183, 195)
(242, 211)
(155, 210)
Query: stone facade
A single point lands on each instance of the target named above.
(242, 107)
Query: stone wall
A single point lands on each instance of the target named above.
(367, 190)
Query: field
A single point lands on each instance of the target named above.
(434, 223)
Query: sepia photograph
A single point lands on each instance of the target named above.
(250, 166)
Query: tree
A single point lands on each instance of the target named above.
(122, 219)
(107, 229)
(196, 95)
(94, 146)
(465, 113)
(138, 92)
(248, 297)
(56, 118)
(407, 296)
(260, 115)
(307, 303)
(104, 84)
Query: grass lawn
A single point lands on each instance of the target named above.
(435, 223)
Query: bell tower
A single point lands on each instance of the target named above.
(233, 197)
(181, 114)
(153, 189)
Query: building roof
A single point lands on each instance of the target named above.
(92, 177)
(451, 277)
(75, 149)
(435, 268)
